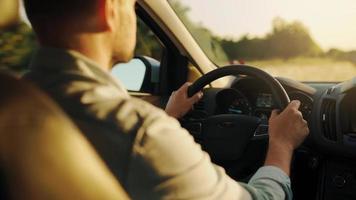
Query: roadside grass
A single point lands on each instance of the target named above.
(308, 69)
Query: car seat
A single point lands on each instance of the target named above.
(42, 154)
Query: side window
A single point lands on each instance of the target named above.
(17, 43)
(17, 40)
(147, 42)
(141, 74)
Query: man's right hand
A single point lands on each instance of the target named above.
(288, 128)
(287, 131)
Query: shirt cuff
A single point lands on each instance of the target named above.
(265, 174)
(271, 172)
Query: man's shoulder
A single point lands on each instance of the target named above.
(103, 103)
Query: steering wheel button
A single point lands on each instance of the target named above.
(339, 181)
(262, 130)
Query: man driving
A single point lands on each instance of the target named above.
(145, 148)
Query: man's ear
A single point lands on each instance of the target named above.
(107, 15)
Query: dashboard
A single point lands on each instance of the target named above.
(249, 96)
(233, 101)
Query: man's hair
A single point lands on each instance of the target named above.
(57, 9)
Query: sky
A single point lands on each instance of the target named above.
(332, 23)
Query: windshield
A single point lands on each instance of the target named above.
(306, 40)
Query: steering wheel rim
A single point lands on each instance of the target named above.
(279, 93)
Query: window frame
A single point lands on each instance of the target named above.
(174, 65)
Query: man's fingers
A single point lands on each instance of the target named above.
(184, 88)
(197, 97)
(295, 104)
(274, 113)
(188, 84)
(307, 131)
(305, 123)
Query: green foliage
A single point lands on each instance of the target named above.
(147, 42)
(286, 40)
(16, 46)
(342, 55)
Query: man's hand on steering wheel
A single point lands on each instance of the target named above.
(287, 131)
(288, 128)
(179, 103)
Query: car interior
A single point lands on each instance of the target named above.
(230, 122)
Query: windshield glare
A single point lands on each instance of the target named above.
(305, 40)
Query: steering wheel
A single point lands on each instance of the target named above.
(226, 136)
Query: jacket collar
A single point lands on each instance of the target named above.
(69, 61)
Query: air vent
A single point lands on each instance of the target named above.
(328, 119)
(330, 90)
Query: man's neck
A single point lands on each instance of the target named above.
(93, 47)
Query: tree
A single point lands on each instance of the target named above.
(286, 40)
(291, 40)
(342, 55)
(147, 43)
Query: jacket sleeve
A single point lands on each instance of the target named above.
(270, 182)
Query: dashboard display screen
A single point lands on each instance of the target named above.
(264, 100)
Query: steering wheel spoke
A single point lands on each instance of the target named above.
(261, 132)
